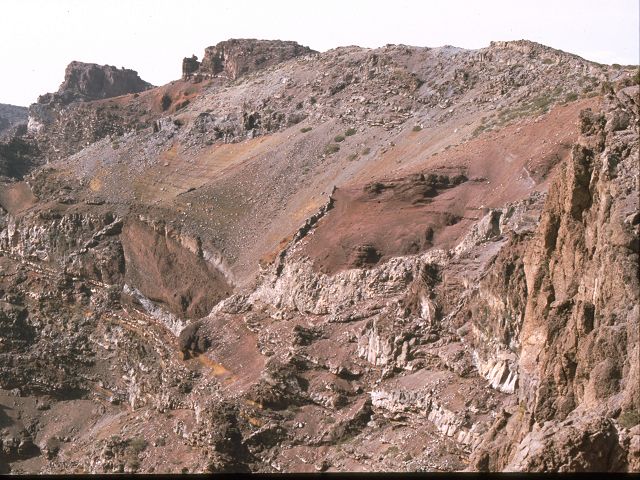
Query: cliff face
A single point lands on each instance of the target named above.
(89, 81)
(13, 121)
(237, 57)
(11, 117)
(579, 341)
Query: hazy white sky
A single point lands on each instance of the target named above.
(40, 37)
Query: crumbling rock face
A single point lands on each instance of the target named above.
(190, 66)
(237, 57)
(495, 315)
(89, 81)
(298, 287)
(170, 268)
(17, 157)
(434, 397)
(60, 132)
(579, 336)
(11, 117)
(82, 245)
(585, 226)
(280, 386)
(192, 339)
(219, 429)
(590, 443)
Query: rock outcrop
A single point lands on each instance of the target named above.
(88, 81)
(11, 117)
(237, 57)
(64, 121)
(579, 375)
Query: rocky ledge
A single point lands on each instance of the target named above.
(237, 57)
(89, 81)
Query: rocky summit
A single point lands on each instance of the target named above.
(396, 259)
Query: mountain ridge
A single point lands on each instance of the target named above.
(392, 259)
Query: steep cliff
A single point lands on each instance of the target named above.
(579, 382)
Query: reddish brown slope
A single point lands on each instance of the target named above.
(404, 218)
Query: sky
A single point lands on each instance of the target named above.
(40, 37)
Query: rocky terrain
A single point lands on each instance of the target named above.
(11, 117)
(393, 259)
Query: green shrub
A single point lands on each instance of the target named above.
(542, 102)
(366, 151)
(606, 87)
(547, 61)
(133, 464)
(137, 444)
(312, 100)
(571, 97)
(392, 450)
(331, 148)
(338, 138)
(349, 132)
(305, 129)
(182, 105)
(352, 157)
(478, 130)
(416, 128)
(165, 102)
(629, 419)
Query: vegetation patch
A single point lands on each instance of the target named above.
(331, 149)
(137, 444)
(182, 105)
(479, 129)
(165, 102)
(629, 419)
(535, 106)
(571, 97)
